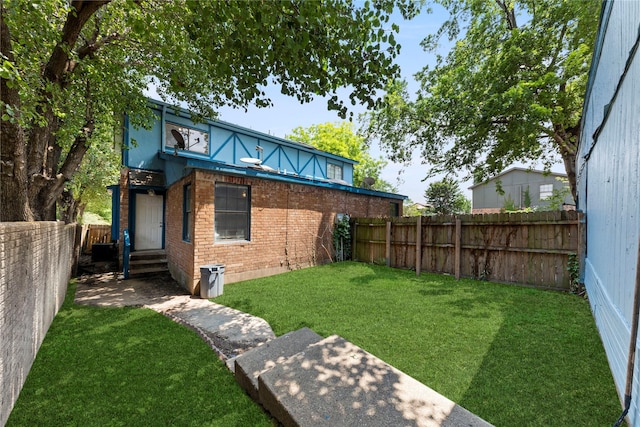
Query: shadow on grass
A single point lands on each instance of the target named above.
(514, 356)
(545, 366)
(128, 366)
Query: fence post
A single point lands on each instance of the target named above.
(582, 244)
(418, 245)
(354, 239)
(458, 246)
(388, 241)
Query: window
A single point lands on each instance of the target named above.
(546, 191)
(232, 207)
(394, 209)
(187, 215)
(183, 138)
(334, 171)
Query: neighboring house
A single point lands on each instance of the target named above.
(216, 193)
(518, 187)
(608, 172)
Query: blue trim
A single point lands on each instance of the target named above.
(161, 106)
(126, 253)
(274, 176)
(187, 189)
(133, 208)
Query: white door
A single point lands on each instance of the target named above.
(149, 222)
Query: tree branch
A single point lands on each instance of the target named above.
(509, 14)
(555, 55)
(94, 45)
(77, 17)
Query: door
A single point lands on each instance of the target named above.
(149, 222)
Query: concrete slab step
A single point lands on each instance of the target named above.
(147, 254)
(336, 383)
(137, 272)
(149, 261)
(250, 365)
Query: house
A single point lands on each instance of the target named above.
(518, 188)
(608, 178)
(215, 193)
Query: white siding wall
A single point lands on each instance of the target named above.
(609, 186)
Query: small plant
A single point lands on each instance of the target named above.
(527, 198)
(342, 238)
(509, 205)
(556, 200)
(573, 267)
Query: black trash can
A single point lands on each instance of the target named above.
(211, 280)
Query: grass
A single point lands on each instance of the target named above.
(128, 366)
(512, 355)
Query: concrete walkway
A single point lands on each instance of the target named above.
(229, 332)
(300, 378)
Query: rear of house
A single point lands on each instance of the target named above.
(216, 193)
(520, 188)
(608, 167)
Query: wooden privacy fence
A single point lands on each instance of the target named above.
(93, 233)
(524, 248)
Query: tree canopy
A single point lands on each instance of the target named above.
(67, 65)
(510, 89)
(341, 139)
(446, 198)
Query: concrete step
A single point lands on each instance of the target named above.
(136, 272)
(148, 254)
(250, 365)
(334, 382)
(147, 262)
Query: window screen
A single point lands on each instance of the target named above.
(232, 209)
(546, 191)
(187, 217)
(334, 171)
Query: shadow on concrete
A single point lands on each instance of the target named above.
(110, 290)
(334, 382)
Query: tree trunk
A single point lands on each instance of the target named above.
(13, 163)
(569, 160)
(567, 140)
(31, 180)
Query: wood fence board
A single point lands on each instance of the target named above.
(94, 233)
(525, 248)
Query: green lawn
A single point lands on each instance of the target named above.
(126, 367)
(515, 356)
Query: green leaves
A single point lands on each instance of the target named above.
(341, 139)
(446, 198)
(510, 88)
(71, 66)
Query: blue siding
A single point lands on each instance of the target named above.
(144, 145)
(227, 145)
(609, 184)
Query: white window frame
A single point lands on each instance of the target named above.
(546, 191)
(334, 171)
(230, 208)
(195, 140)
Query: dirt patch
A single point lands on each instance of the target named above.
(111, 290)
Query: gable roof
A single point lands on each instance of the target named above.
(518, 169)
(183, 112)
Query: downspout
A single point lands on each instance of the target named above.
(632, 344)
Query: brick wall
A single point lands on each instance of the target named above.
(35, 267)
(291, 227)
